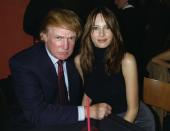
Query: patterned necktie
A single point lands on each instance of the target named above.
(62, 92)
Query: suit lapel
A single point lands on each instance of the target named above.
(48, 68)
(69, 74)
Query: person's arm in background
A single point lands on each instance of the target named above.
(162, 59)
(129, 70)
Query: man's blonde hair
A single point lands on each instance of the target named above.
(62, 18)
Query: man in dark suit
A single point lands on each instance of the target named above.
(35, 76)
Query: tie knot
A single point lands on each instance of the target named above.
(60, 62)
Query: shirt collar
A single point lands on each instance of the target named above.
(53, 59)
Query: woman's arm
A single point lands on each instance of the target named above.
(129, 69)
(162, 59)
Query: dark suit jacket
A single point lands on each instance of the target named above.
(35, 85)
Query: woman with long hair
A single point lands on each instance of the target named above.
(108, 71)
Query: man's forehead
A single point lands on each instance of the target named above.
(62, 31)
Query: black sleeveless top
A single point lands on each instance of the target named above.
(101, 87)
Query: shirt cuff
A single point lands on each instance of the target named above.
(81, 113)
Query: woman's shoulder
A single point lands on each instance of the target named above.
(128, 58)
(77, 59)
(78, 66)
(77, 62)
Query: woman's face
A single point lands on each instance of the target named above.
(101, 34)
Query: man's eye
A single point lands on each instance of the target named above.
(59, 38)
(72, 38)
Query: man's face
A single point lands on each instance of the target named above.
(59, 41)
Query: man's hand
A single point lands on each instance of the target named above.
(99, 111)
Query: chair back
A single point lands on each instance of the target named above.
(157, 93)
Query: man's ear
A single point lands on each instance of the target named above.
(43, 36)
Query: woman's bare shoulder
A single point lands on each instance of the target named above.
(128, 58)
(77, 59)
